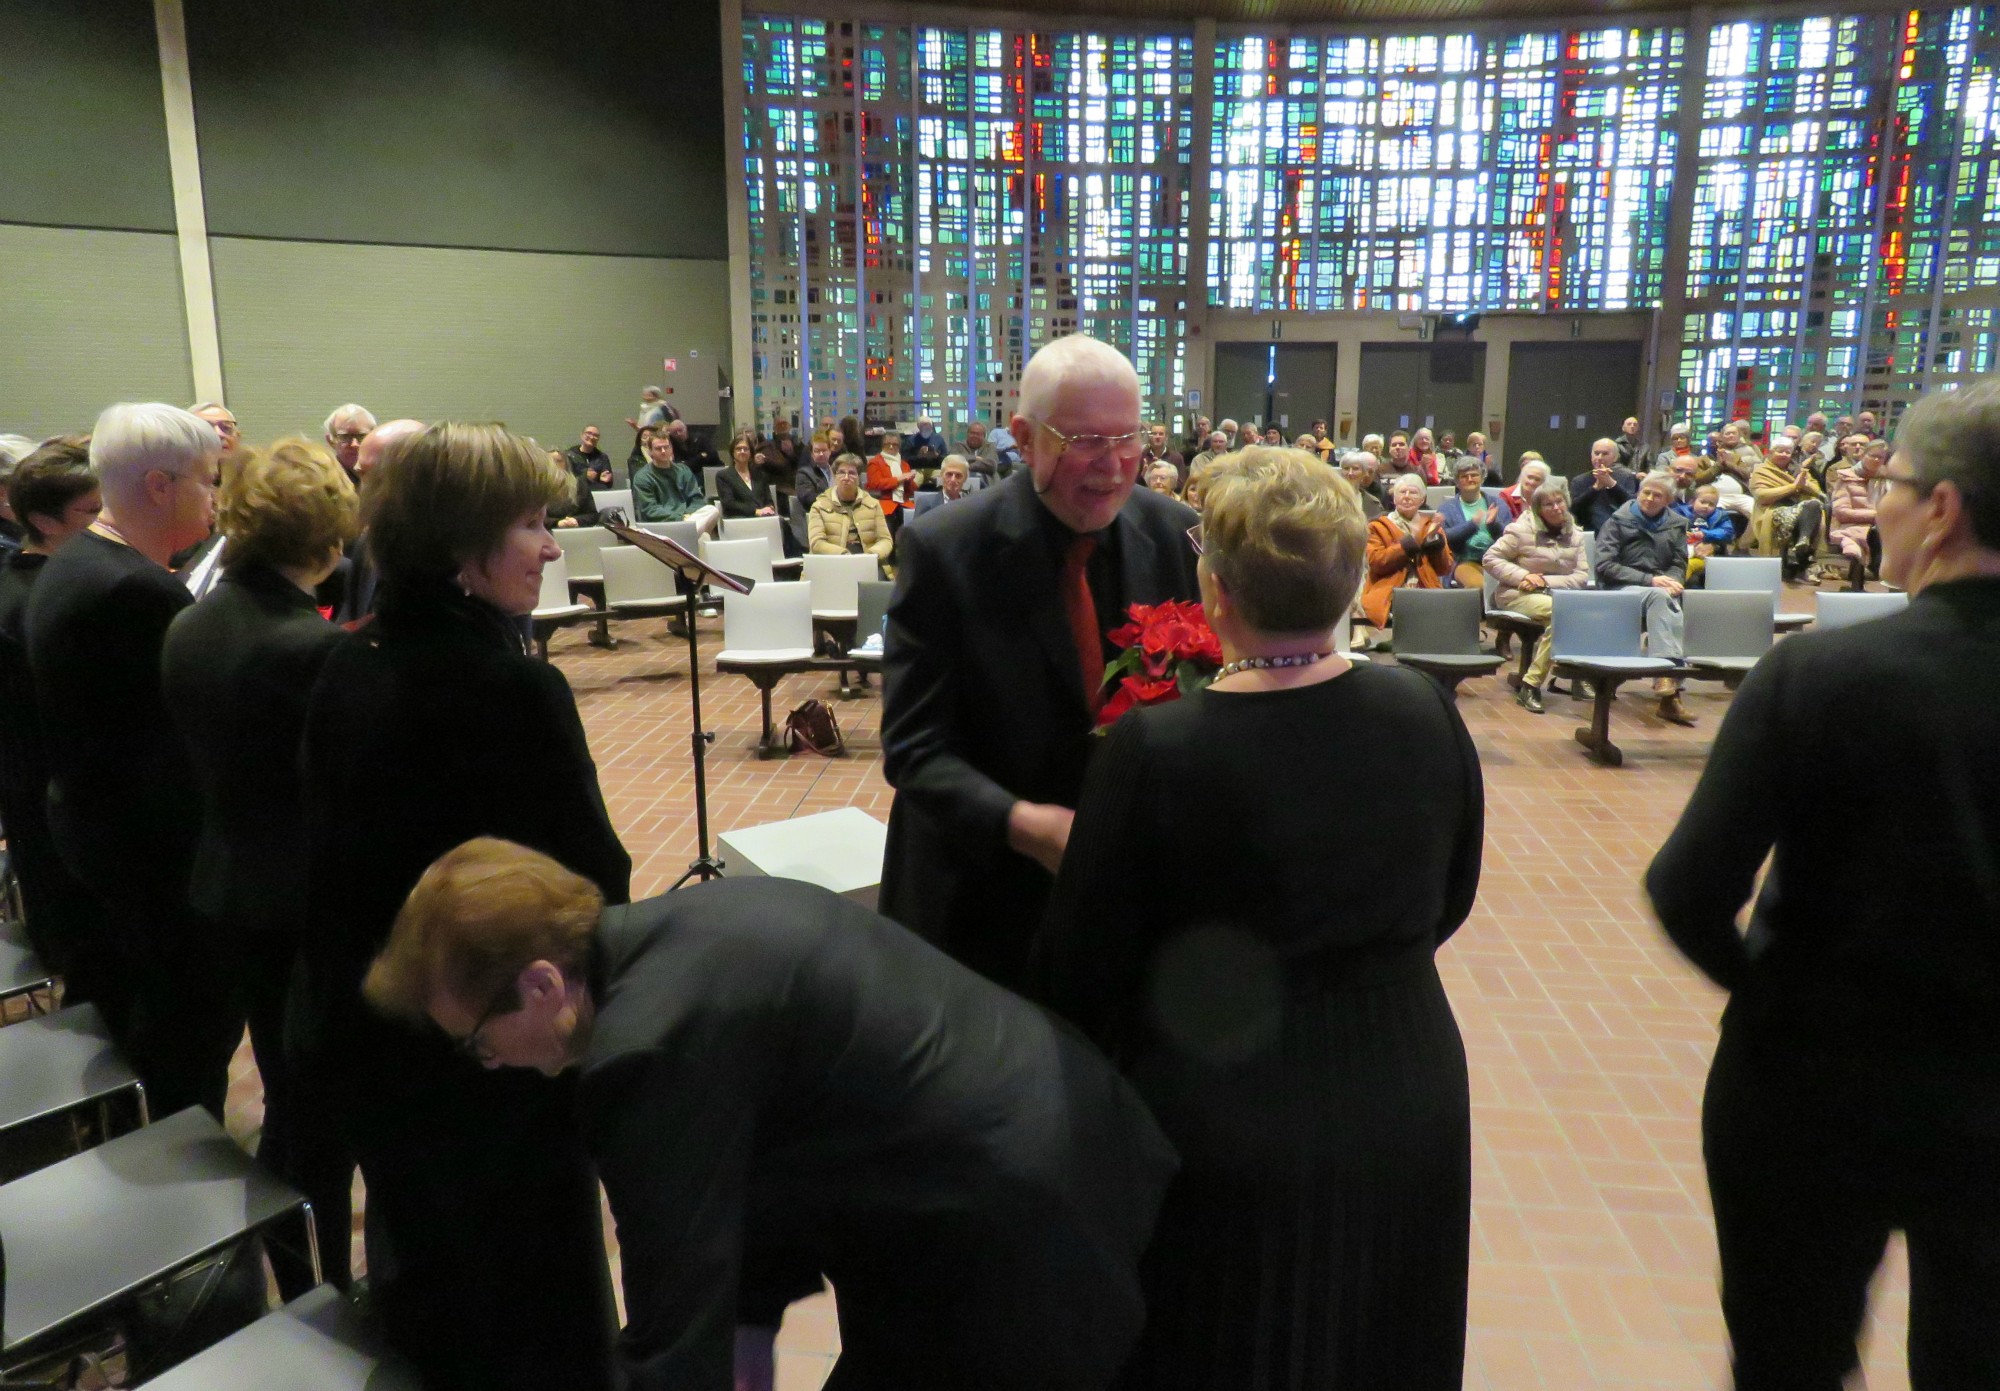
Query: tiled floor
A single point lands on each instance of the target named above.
(1593, 1258)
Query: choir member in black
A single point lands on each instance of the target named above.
(238, 668)
(774, 1078)
(55, 496)
(428, 727)
(1855, 1089)
(1276, 1004)
(122, 798)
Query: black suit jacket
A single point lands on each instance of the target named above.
(780, 1079)
(984, 707)
(238, 668)
(740, 499)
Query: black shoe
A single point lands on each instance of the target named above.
(1529, 698)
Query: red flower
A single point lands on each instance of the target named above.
(1135, 690)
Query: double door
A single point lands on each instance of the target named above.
(1564, 397)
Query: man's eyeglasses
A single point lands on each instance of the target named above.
(1919, 486)
(1089, 449)
(471, 1046)
(349, 436)
(1194, 538)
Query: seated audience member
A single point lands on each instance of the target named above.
(1158, 450)
(54, 495)
(980, 454)
(1163, 477)
(845, 520)
(579, 507)
(1809, 453)
(1747, 456)
(953, 475)
(1596, 496)
(1790, 508)
(1644, 544)
(1213, 447)
(1358, 469)
(1322, 445)
(1197, 480)
(1627, 440)
(1423, 458)
(594, 464)
(1534, 555)
(1475, 448)
(815, 475)
(13, 449)
(1308, 444)
(486, 1253)
(1853, 1092)
(238, 668)
(1281, 1014)
(345, 429)
(924, 448)
(663, 488)
(1857, 491)
(741, 488)
(1473, 517)
(1712, 530)
(1273, 437)
(1528, 479)
(1680, 443)
(122, 799)
(778, 458)
(982, 1213)
(224, 421)
(1197, 437)
(1406, 546)
(891, 481)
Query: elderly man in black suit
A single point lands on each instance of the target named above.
(996, 652)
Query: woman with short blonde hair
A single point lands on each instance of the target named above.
(1279, 1010)
(292, 508)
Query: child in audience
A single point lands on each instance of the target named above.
(1712, 530)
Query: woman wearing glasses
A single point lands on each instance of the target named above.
(1855, 1088)
(433, 725)
(1280, 1013)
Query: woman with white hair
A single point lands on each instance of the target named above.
(122, 799)
(1855, 1089)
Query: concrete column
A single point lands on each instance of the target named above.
(743, 387)
(190, 211)
(1197, 353)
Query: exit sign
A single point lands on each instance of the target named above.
(672, 364)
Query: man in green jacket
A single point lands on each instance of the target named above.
(664, 489)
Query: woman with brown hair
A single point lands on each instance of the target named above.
(742, 489)
(238, 668)
(430, 727)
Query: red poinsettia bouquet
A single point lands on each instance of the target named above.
(1170, 651)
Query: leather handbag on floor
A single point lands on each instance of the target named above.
(813, 728)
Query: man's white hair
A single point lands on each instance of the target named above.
(13, 449)
(1414, 480)
(350, 411)
(1362, 458)
(1074, 360)
(131, 439)
(1373, 443)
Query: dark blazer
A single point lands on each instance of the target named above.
(931, 499)
(984, 706)
(426, 728)
(238, 668)
(1592, 506)
(778, 1077)
(740, 499)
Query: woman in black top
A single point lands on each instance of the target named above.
(1276, 1004)
(428, 727)
(1856, 1085)
(54, 494)
(238, 668)
(742, 489)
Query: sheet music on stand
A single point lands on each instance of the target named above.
(675, 556)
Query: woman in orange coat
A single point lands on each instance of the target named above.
(1405, 546)
(893, 482)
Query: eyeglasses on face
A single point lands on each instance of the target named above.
(471, 1045)
(1089, 449)
(1194, 538)
(349, 436)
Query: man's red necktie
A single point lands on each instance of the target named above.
(1081, 610)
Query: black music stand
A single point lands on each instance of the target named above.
(696, 572)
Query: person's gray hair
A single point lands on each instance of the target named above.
(651, 393)
(1660, 478)
(131, 439)
(1416, 480)
(13, 449)
(1954, 437)
(1681, 428)
(350, 411)
(1373, 444)
(199, 406)
(1549, 492)
(1358, 456)
(957, 461)
(1075, 359)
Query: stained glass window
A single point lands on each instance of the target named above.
(1443, 172)
(1011, 187)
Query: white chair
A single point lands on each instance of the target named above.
(767, 634)
(1436, 495)
(637, 585)
(749, 560)
(708, 476)
(1846, 610)
(836, 581)
(1590, 558)
(1754, 572)
(771, 529)
(620, 498)
(580, 545)
(583, 572)
(1343, 639)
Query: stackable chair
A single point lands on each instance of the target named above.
(638, 586)
(22, 975)
(580, 547)
(767, 635)
(557, 608)
(708, 476)
(1343, 637)
(748, 560)
(61, 1063)
(1436, 631)
(318, 1342)
(1845, 610)
(86, 1234)
(1590, 559)
(1754, 572)
(1597, 636)
(620, 498)
(1509, 627)
(836, 606)
(771, 529)
(1724, 633)
(871, 608)
(1436, 495)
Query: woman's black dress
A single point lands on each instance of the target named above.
(1246, 917)
(485, 1244)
